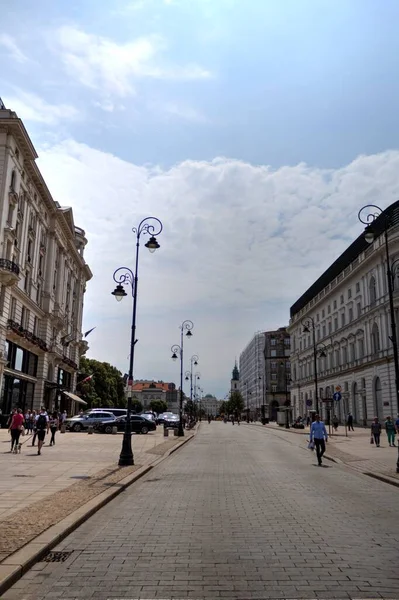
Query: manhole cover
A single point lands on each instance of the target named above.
(56, 556)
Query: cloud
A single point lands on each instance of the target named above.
(179, 111)
(103, 64)
(241, 243)
(10, 44)
(31, 107)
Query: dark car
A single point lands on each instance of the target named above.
(165, 417)
(171, 420)
(139, 425)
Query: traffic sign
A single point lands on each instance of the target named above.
(338, 388)
(308, 402)
(337, 396)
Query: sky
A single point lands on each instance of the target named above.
(253, 129)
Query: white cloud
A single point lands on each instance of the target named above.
(240, 244)
(179, 111)
(31, 107)
(11, 45)
(102, 64)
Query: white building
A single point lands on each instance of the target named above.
(252, 374)
(348, 312)
(210, 405)
(43, 278)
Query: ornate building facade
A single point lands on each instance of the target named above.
(43, 276)
(347, 312)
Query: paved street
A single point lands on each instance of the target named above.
(239, 513)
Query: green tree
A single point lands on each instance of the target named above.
(159, 406)
(106, 388)
(223, 408)
(137, 407)
(235, 403)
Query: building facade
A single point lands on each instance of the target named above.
(145, 391)
(346, 313)
(277, 370)
(43, 278)
(210, 405)
(252, 375)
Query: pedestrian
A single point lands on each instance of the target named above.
(350, 422)
(376, 431)
(33, 422)
(42, 427)
(390, 429)
(397, 424)
(318, 435)
(13, 412)
(54, 423)
(335, 422)
(63, 418)
(16, 426)
(27, 420)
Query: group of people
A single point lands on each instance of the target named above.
(38, 424)
(319, 436)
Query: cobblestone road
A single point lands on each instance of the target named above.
(237, 513)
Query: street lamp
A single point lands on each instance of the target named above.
(309, 324)
(186, 326)
(369, 215)
(125, 276)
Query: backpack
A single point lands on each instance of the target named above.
(41, 422)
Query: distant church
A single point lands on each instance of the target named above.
(235, 381)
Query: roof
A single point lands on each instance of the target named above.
(391, 213)
(142, 386)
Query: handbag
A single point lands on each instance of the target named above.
(372, 440)
(311, 446)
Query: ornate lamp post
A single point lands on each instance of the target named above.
(125, 276)
(368, 215)
(186, 326)
(309, 324)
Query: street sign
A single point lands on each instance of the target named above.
(337, 396)
(309, 402)
(338, 388)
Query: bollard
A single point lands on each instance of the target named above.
(165, 431)
(175, 432)
(90, 429)
(63, 428)
(114, 430)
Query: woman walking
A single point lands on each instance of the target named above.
(16, 426)
(376, 431)
(54, 424)
(390, 429)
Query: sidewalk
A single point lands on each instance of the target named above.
(36, 492)
(356, 451)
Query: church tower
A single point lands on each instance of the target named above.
(235, 379)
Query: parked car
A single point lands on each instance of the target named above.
(171, 420)
(139, 424)
(163, 417)
(118, 412)
(84, 421)
(149, 415)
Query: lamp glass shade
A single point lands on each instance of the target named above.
(152, 244)
(119, 292)
(369, 235)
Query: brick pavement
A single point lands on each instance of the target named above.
(238, 513)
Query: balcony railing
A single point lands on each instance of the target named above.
(8, 265)
(70, 362)
(28, 335)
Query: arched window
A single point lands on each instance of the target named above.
(13, 180)
(375, 339)
(372, 290)
(378, 398)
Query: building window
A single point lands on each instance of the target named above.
(323, 313)
(350, 314)
(360, 345)
(274, 388)
(287, 364)
(13, 181)
(273, 341)
(318, 317)
(349, 293)
(318, 334)
(357, 288)
(274, 376)
(372, 291)
(335, 304)
(342, 299)
(352, 352)
(359, 310)
(335, 323)
(13, 310)
(287, 341)
(324, 331)
(329, 309)
(343, 319)
(329, 327)
(274, 365)
(375, 339)
(273, 353)
(344, 355)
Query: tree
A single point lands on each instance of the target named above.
(159, 406)
(137, 407)
(235, 403)
(223, 408)
(106, 388)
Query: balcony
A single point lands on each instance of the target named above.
(70, 363)
(30, 337)
(9, 272)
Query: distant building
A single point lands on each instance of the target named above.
(144, 391)
(277, 370)
(210, 405)
(251, 375)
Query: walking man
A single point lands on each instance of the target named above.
(390, 429)
(318, 435)
(350, 422)
(42, 427)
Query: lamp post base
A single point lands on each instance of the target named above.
(126, 456)
(180, 431)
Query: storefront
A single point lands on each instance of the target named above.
(19, 379)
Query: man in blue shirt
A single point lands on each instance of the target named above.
(318, 435)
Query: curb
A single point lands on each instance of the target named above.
(18, 563)
(383, 478)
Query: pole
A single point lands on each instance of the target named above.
(393, 336)
(181, 429)
(315, 368)
(126, 456)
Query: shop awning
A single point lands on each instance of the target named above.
(75, 398)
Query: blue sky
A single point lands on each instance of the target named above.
(235, 121)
